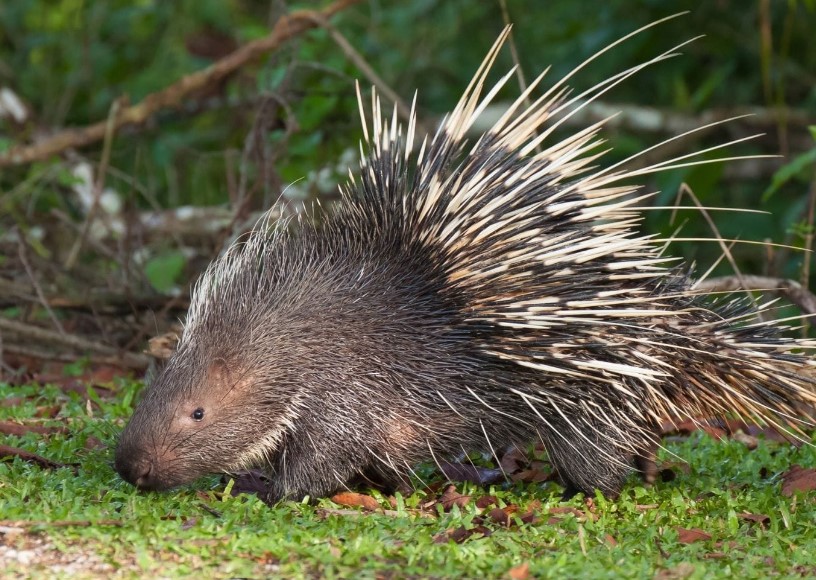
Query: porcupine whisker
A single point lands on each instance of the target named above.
(378, 458)
(613, 424)
(615, 43)
(648, 170)
(800, 317)
(594, 93)
(448, 403)
(492, 449)
(425, 427)
(341, 481)
(433, 456)
(466, 455)
(701, 208)
(718, 240)
(556, 103)
(611, 169)
(726, 252)
(362, 475)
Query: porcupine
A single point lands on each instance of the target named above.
(460, 298)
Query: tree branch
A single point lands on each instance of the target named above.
(790, 289)
(288, 27)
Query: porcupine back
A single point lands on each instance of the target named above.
(464, 297)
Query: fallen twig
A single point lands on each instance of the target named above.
(41, 335)
(6, 451)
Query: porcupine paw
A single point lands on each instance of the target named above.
(608, 474)
(607, 478)
(583, 472)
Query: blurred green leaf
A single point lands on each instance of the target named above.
(76, 368)
(164, 270)
(68, 60)
(789, 171)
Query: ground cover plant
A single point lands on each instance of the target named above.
(739, 506)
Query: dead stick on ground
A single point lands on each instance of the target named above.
(286, 28)
(7, 451)
(42, 335)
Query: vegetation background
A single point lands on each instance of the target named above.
(104, 225)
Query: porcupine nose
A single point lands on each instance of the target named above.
(138, 471)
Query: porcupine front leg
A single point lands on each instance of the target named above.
(332, 451)
(584, 461)
(308, 466)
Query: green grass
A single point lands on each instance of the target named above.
(197, 530)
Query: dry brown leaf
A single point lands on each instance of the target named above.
(749, 441)
(771, 434)
(689, 536)
(579, 515)
(513, 461)
(531, 475)
(162, 346)
(500, 516)
(520, 572)
(798, 478)
(460, 534)
(462, 472)
(760, 519)
(352, 499)
(679, 572)
(451, 497)
(486, 501)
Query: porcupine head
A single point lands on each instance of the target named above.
(462, 297)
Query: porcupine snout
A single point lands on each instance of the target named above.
(138, 472)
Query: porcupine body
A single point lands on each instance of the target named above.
(465, 297)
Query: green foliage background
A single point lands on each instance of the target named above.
(70, 59)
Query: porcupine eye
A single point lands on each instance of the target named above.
(198, 414)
